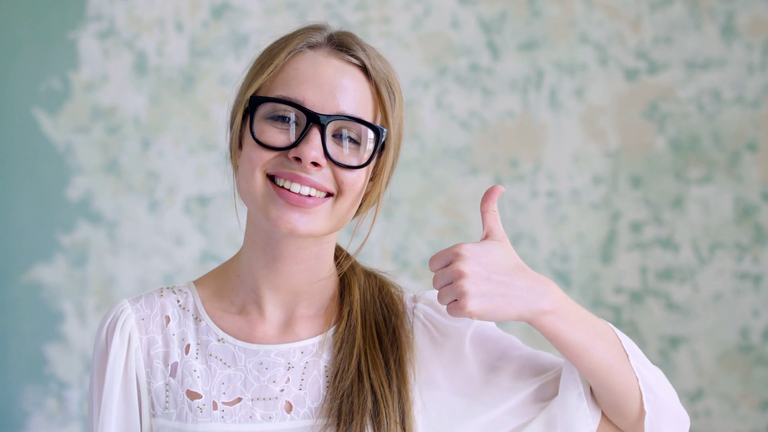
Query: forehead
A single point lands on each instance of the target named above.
(324, 83)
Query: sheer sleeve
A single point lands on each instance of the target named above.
(663, 410)
(118, 398)
(470, 375)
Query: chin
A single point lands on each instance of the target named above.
(299, 225)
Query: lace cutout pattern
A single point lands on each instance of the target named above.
(197, 375)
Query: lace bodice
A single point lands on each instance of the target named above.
(197, 373)
(161, 365)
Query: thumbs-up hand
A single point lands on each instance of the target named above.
(486, 280)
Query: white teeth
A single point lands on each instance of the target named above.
(298, 188)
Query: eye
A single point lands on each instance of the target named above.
(280, 116)
(347, 135)
(283, 119)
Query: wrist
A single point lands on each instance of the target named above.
(554, 308)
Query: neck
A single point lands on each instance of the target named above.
(279, 279)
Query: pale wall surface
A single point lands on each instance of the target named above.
(632, 139)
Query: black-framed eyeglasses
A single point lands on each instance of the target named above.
(279, 124)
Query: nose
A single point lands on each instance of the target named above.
(309, 152)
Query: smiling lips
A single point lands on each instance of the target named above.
(297, 188)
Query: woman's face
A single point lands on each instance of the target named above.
(327, 85)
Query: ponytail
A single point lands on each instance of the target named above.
(372, 350)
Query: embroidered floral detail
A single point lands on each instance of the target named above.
(196, 374)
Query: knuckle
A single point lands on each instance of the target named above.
(465, 308)
(461, 272)
(441, 298)
(453, 310)
(461, 250)
(432, 264)
(462, 290)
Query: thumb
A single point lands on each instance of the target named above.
(489, 213)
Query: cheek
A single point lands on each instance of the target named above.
(353, 191)
(248, 162)
(250, 154)
(355, 183)
(356, 187)
(252, 157)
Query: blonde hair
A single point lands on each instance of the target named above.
(372, 346)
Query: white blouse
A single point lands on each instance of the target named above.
(160, 364)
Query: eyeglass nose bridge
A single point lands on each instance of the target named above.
(313, 119)
(306, 132)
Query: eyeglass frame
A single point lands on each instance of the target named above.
(314, 118)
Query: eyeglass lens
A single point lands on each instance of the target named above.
(279, 125)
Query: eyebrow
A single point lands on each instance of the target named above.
(302, 103)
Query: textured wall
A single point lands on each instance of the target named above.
(632, 138)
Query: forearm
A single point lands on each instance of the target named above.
(592, 346)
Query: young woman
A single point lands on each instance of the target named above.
(293, 334)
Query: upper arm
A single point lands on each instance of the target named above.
(607, 425)
(118, 398)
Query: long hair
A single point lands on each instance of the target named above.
(372, 345)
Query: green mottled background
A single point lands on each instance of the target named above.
(632, 139)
